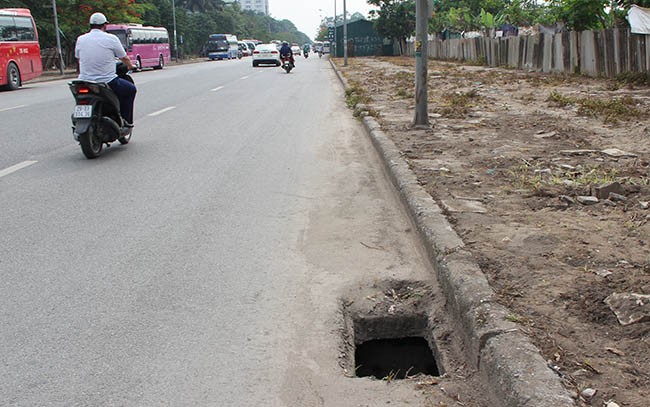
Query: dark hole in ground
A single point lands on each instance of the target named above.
(395, 358)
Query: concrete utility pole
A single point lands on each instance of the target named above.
(334, 47)
(345, 35)
(174, 22)
(58, 39)
(422, 13)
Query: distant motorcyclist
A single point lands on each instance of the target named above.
(305, 50)
(286, 52)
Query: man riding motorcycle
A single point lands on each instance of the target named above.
(286, 52)
(96, 52)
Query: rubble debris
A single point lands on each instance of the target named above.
(603, 191)
(588, 200)
(615, 152)
(629, 308)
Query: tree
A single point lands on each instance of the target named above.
(521, 12)
(580, 15)
(395, 19)
(195, 20)
(626, 4)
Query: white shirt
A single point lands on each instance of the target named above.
(96, 52)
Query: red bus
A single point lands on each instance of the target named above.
(146, 46)
(20, 54)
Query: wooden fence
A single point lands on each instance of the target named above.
(592, 53)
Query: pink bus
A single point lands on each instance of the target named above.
(20, 54)
(146, 46)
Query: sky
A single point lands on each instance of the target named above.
(306, 15)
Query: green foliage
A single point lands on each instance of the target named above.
(395, 19)
(195, 20)
(469, 15)
(583, 15)
(487, 19)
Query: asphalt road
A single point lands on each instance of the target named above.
(202, 264)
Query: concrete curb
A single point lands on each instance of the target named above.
(510, 365)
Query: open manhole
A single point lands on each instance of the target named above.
(395, 358)
(387, 332)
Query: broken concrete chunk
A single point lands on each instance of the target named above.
(613, 196)
(588, 200)
(588, 394)
(644, 204)
(603, 191)
(577, 152)
(546, 135)
(629, 308)
(615, 152)
(603, 273)
(462, 206)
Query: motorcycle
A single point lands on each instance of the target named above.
(96, 118)
(305, 54)
(286, 64)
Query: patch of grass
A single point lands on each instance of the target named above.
(610, 110)
(458, 104)
(530, 177)
(404, 82)
(559, 100)
(405, 94)
(634, 78)
(514, 318)
(596, 176)
(405, 76)
(356, 94)
(480, 61)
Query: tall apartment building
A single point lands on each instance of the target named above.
(261, 6)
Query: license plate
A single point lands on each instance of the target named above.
(83, 111)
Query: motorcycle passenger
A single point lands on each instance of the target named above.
(286, 52)
(96, 52)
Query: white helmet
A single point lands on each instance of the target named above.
(98, 19)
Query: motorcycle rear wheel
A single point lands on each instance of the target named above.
(91, 145)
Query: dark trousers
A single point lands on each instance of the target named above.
(125, 91)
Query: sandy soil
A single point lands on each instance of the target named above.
(507, 157)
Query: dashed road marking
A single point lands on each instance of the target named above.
(216, 89)
(16, 167)
(12, 108)
(161, 111)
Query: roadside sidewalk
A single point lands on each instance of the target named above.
(510, 365)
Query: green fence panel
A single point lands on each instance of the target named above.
(363, 40)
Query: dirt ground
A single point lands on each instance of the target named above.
(510, 157)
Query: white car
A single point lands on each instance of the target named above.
(296, 50)
(266, 54)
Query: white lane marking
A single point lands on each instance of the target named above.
(11, 108)
(16, 167)
(243, 77)
(216, 89)
(167, 109)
